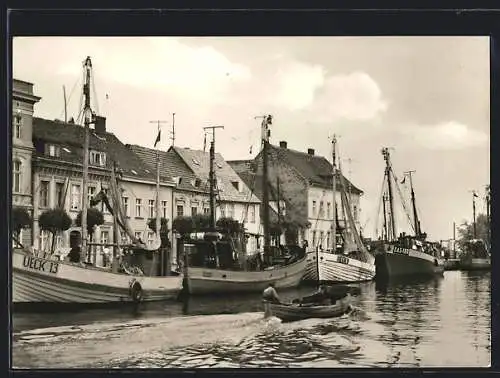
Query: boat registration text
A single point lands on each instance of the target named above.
(40, 264)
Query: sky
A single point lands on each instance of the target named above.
(426, 98)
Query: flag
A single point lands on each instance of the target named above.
(158, 138)
(403, 180)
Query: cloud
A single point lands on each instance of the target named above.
(446, 136)
(353, 96)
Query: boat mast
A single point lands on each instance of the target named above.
(334, 189)
(415, 214)
(266, 122)
(388, 169)
(385, 235)
(88, 119)
(474, 195)
(211, 176)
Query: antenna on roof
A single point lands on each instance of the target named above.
(173, 130)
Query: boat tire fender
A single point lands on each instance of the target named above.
(136, 291)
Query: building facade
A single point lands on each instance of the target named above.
(23, 103)
(58, 182)
(306, 185)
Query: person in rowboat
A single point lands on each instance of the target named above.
(269, 295)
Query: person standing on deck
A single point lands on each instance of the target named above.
(269, 295)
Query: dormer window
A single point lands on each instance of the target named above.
(98, 158)
(195, 162)
(53, 150)
(197, 183)
(236, 185)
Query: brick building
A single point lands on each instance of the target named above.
(306, 185)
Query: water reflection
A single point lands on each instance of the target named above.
(440, 321)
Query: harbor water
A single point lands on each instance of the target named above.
(436, 322)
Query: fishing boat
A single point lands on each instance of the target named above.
(289, 312)
(475, 255)
(40, 277)
(211, 266)
(403, 255)
(351, 262)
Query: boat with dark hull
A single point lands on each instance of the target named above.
(403, 255)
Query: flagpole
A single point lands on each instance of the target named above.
(157, 200)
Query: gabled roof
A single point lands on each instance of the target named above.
(199, 163)
(70, 138)
(316, 169)
(171, 165)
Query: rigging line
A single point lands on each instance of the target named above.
(77, 81)
(381, 200)
(96, 102)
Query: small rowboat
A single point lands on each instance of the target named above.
(289, 312)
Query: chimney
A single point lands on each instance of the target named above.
(310, 151)
(282, 144)
(100, 125)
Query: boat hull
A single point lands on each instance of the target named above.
(39, 280)
(476, 264)
(394, 261)
(218, 281)
(452, 264)
(295, 312)
(335, 268)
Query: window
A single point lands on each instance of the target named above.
(321, 210)
(314, 208)
(60, 194)
(328, 240)
(252, 213)
(321, 236)
(180, 210)
(16, 172)
(45, 240)
(123, 237)
(138, 208)
(90, 194)
(75, 197)
(236, 185)
(53, 150)
(164, 208)
(355, 213)
(314, 239)
(197, 183)
(151, 238)
(44, 194)
(151, 207)
(98, 158)
(194, 210)
(230, 212)
(18, 125)
(206, 210)
(104, 237)
(328, 210)
(222, 210)
(104, 209)
(138, 235)
(126, 208)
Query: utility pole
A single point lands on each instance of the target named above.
(172, 133)
(474, 195)
(212, 175)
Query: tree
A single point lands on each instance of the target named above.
(291, 232)
(183, 225)
(54, 221)
(163, 229)
(94, 218)
(229, 226)
(201, 222)
(20, 220)
(466, 230)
